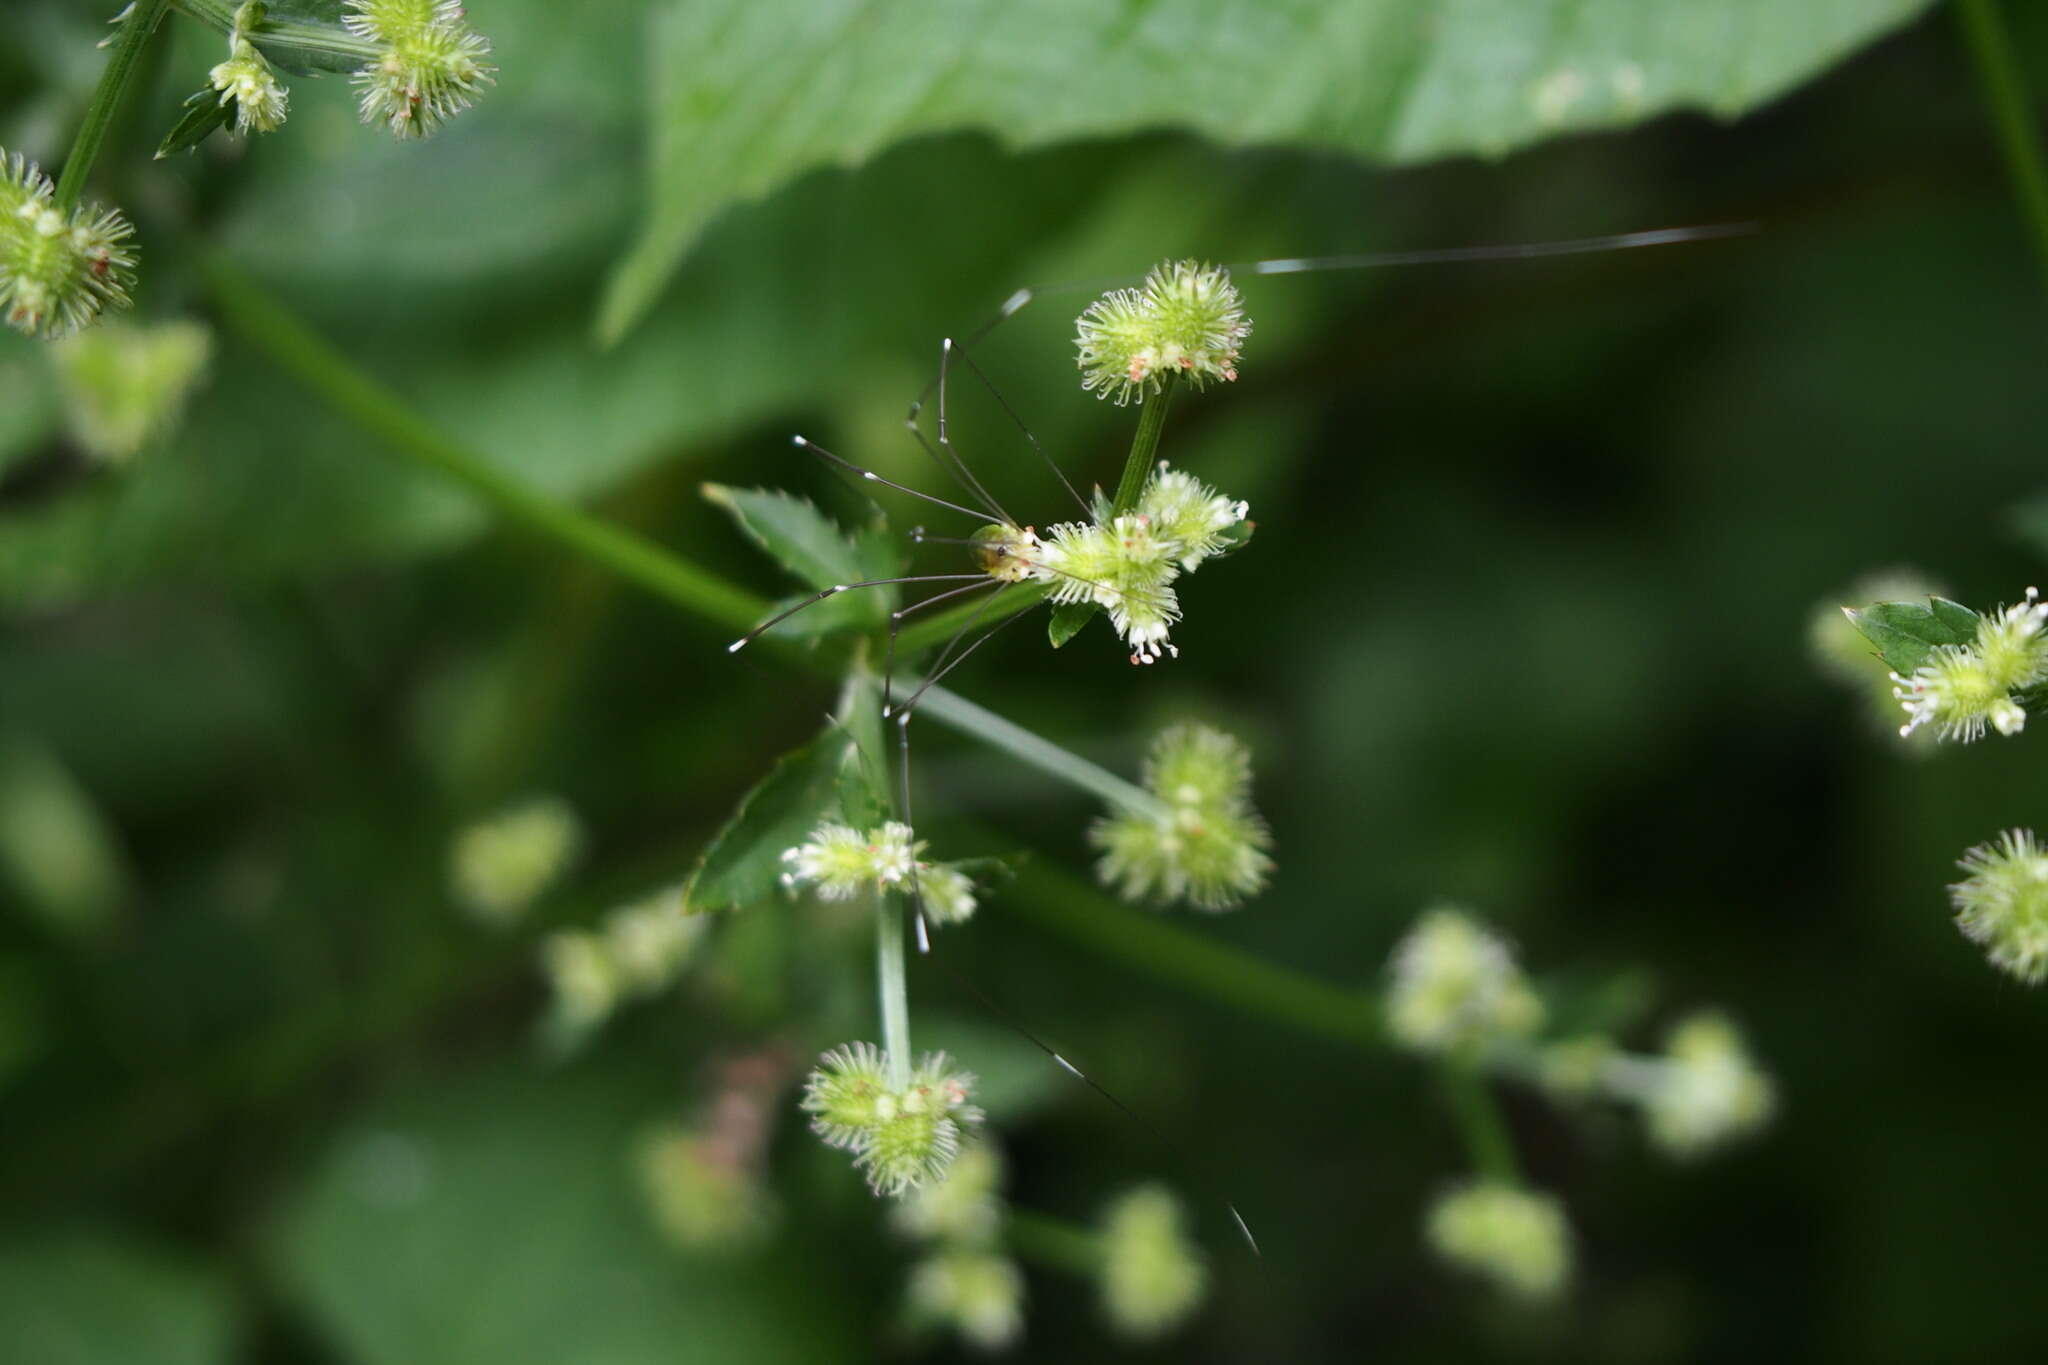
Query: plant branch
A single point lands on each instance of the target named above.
(1053, 1242)
(891, 986)
(1487, 1144)
(2019, 134)
(1144, 448)
(1064, 905)
(106, 99)
(1027, 747)
(295, 347)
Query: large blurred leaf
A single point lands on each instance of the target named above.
(76, 1299)
(752, 93)
(494, 1221)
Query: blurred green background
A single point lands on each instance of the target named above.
(1525, 625)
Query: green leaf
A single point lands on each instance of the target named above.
(1067, 620)
(497, 1220)
(811, 546)
(1905, 633)
(86, 1299)
(203, 114)
(750, 94)
(744, 860)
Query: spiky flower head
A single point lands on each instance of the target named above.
(1456, 985)
(430, 68)
(1152, 1275)
(2003, 903)
(979, 1294)
(123, 384)
(1185, 319)
(246, 81)
(58, 271)
(1127, 564)
(1191, 518)
(583, 981)
(901, 1136)
(1518, 1239)
(840, 862)
(1962, 689)
(1709, 1092)
(501, 865)
(966, 1208)
(1201, 843)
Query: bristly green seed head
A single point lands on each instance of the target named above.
(1152, 1276)
(1515, 1238)
(431, 66)
(58, 272)
(964, 1209)
(1457, 985)
(1204, 845)
(839, 862)
(903, 1138)
(1186, 319)
(2003, 903)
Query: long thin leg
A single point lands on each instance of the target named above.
(946, 441)
(805, 443)
(896, 626)
(737, 645)
(1291, 265)
(1043, 454)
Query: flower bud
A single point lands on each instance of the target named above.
(57, 271)
(431, 66)
(502, 865)
(966, 1208)
(2003, 903)
(246, 81)
(1515, 1238)
(977, 1293)
(1186, 319)
(124, 384)
(1152, 1275)
(1456, 985)
(1710, 1092)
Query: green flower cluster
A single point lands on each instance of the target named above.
(1186, 319)
(1204, 844)
(58, 271)
(902, 1137)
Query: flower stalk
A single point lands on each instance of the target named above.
(1144, 448)
(141, 21)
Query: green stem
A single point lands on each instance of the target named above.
(1144, 449)
(949, 708)
(99, 115)
(1062, 904)
(938, 629)
(251, 312)
(2005, 90)
(890, 983)
(1485, 1135)
(327, 39)
(1053, 1242)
